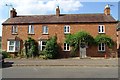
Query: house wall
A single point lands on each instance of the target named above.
(58, 29)
(118, 42)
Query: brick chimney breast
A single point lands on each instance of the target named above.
(107, 10)
(13, 13)
(57, 11)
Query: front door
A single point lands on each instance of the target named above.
(82, 51)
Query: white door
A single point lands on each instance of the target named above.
(83, 52)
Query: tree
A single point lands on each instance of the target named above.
(104, 39)
(78, 39)
(51, 48)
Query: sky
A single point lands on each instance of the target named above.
(46, 7)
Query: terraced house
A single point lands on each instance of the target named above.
(18, 28)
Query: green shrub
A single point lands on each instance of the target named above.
(5, 54)
(51, 48)
(31, 48)
(22, 53)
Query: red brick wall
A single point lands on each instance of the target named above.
(58, 29)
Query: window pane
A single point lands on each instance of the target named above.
(11, 43)
(46, 29)
(68, 30)
(11, 48)
(29, 28)
(102, 28)
(32, 29)
(103, 48)
(65, 29)
(99, 28)
(64, 46)
(43, 29)
(68, 47)
(44, 42)
(99, 47)
(17, 45)
(43, 47)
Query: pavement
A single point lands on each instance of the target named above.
(92, 62)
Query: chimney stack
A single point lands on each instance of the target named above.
(107, 10)
(57, 11)
(13, 13)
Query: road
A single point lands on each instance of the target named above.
(59, 72)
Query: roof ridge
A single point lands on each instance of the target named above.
(63, 14)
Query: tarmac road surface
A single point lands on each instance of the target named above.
(59, 72)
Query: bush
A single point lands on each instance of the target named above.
(5, 54)
(51, 48)
(31, 48)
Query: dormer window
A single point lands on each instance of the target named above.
(30, 29)
(66, 29)
(14, 29)
(101, 29)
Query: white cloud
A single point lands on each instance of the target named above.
(1, 21)
(28, 7)
(43, 6)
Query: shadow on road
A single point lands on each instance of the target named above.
(7, 64)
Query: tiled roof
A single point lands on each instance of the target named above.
(63, 18)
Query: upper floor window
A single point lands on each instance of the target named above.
(45, 30)
(101, 29)
(66, 47)
(14, 29)
(101, 47)
(13, 46)
(66, 29)
(31, 29)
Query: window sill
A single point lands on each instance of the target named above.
(101, 32)
(66, 50)
(45, 34)
(14, 33)
(101, 51)
(12, 51)
(67, 33)
(31, 33)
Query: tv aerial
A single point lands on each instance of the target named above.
(9, 5)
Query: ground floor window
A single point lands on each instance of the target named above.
(42, 45)
(13, 46)
(101, 47)
(66, 47)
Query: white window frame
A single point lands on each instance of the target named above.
(45, 29)
(66, 29)
(14, 29)
(41, 44)
(66, 47)
(30, 29)
(16, 47)
(101, 29)
(101, 45)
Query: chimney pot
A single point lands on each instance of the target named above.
(13, 13)
(107, 10)
(57, 11)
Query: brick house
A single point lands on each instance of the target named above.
(118, 39)
(18, 28)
